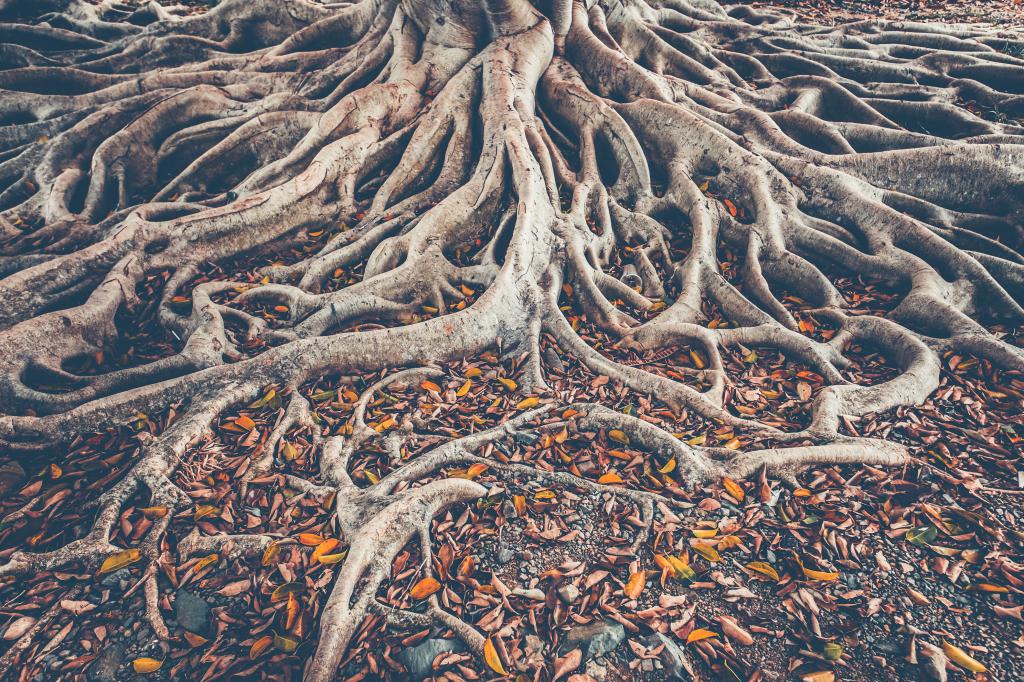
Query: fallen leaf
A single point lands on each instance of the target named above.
(764, 569)
(492, 659)
(424, 588)
(119, 560)
(146, 665)
(699, 634)
(962, 658)
(635, 585)
(19, 627)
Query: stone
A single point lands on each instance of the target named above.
(596, 639)
(568, 593)
(673, 657)
(418, 660)
(192, 613)
(107, 664)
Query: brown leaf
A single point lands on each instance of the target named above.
(567, 663)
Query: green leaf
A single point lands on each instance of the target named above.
(923, 536)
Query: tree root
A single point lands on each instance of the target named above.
(478, 175)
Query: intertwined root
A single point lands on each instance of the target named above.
(501, 161)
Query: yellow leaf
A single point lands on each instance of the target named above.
(697, 440)
(472, 373)
(146, 665)
(285, 643)
(826, 576)
(707, 551)
(424, 588)
(289, 451)
(464, 388)
(281, 592)
(260, 645)
(699, 634)
(492, 659)
(475, 470)
(527, 403)
(733, 443)
(331, 559)
(373, 478)
(119, 560)
(610, 477)
(962, 658)
(764, 569)
(821, 676)
(519, 502)
(705, 533)
(669, 467)
(544, 495)
(271, 554)
(508, 383)
(635, 585)
(618, 436)
(728, 542)
(264, 400)
(204, 562)
(733, 488)
(204, 510)
(682, 569)
(698, 359)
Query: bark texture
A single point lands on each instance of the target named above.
(516, 149)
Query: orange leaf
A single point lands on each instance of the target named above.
(699, 634)
(260, 646)
(425, 588)
(430, 386)
(635, 585)
(610, 477)
(245, 422)
(733, 488)
(323, 548)
(146, 665)
(310, 539)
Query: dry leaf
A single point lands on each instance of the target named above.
(635, 585)
(424, 588)
(492, 659)
(146, 665)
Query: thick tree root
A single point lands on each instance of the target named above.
(493, 164)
